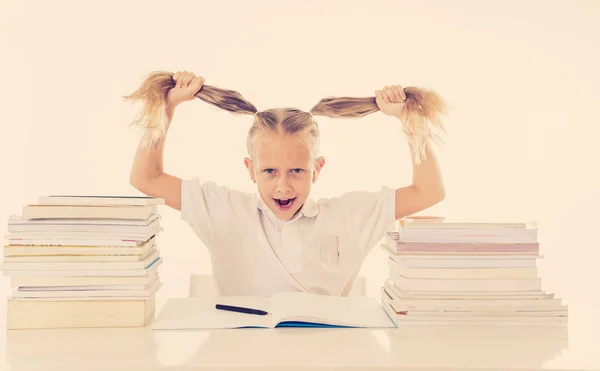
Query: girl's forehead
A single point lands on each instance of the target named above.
(282, 145)
(282, 150)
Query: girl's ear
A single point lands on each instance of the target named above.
(248, 164)
(319, 163)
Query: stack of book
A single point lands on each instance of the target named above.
(83, 261)
(466, 273)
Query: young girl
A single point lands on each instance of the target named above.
(282, 240)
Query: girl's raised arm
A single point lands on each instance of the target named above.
(147, 174)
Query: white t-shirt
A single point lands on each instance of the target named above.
(320, 250)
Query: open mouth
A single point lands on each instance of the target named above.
(284, 203)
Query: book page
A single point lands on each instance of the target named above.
(200, 313)
(329, 310)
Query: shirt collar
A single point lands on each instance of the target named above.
(309, 209)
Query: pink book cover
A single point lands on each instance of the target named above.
(466, 247)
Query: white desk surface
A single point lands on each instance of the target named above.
(576, 347)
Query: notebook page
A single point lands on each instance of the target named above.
(330, 310)
(200, 313)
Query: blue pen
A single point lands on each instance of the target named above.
(241, 309)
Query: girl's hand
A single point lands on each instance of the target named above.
(186, 87)
(390, 100)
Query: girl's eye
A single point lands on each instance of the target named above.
(297, 171)
(269, 171)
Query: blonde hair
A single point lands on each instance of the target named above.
(420, 117)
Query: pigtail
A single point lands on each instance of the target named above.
(152, 119)
(420, 117)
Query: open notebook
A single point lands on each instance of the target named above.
(290, 309)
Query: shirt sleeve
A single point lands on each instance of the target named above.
(370, 215)
(209, 208)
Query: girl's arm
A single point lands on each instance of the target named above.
(427, 188)
(147, 173)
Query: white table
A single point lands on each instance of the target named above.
(576, 347)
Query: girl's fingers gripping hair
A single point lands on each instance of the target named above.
(402, 93)
(178, 79)
(398, 93)
(187, 78)
(182, 82)
(392, 94)
(197, 83)
(386, 97)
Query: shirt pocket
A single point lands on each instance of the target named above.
(329, 251)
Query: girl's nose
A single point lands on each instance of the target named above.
(283, 184)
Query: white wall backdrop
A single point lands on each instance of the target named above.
(521, 78)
